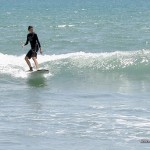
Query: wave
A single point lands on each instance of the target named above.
(137, 62)
(64, 26)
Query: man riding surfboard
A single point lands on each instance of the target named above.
(35, 46)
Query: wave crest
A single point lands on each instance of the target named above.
(81, 62)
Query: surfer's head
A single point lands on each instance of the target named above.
(30, 29)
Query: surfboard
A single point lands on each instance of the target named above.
(40, 71)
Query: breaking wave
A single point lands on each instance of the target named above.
(81, 63)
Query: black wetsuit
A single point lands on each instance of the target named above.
(35, 45)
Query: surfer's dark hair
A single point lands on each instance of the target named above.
(30, 27)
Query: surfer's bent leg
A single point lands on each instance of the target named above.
(34, 57)
(28, 56)
(36, 62)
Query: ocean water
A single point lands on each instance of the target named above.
(96, 96)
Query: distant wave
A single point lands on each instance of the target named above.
(64, 25)
(81, 62)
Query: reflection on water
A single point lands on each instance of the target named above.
(36, 80)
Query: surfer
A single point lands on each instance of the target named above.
(35, 46)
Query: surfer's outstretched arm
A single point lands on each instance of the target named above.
(27, 41)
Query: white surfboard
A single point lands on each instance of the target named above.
(40, 71)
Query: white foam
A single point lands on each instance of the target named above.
(60, 132)
(8, 13)
(71, 25)
(13, 65)
(64, 26)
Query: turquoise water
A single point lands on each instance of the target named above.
(96, 95)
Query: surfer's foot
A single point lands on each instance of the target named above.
(31, 69)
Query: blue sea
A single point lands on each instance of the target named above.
(97, 93)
